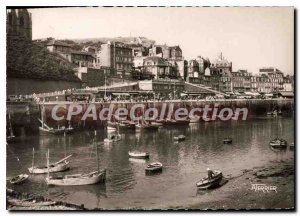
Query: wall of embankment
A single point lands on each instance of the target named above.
(26, 115)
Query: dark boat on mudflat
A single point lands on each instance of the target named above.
(227, 140)
(154, 167)
(207, 183)
(179, 138)
(278, 143)
(19, 179)
(138, 155)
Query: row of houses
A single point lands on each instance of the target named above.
(133, 61)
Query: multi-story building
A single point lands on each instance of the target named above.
(222, 65)
(241, 81)
(61, 48)
(275, 82)
(166, 52)
(157, 66)
(193, 72)
(118, 57)
(83, 59)
(288, 83)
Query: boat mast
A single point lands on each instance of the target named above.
(10, 126)
(96, 151)
(47, 156)
(32, 158)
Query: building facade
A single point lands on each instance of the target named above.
(118, 57)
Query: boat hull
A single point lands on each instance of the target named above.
(278, 143)
(52, 169)
(154, 167)
(44, 131)
(78, 179)
(19, 179)
(138, 155)
(210, 183)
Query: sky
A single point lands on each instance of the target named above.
(249, 37)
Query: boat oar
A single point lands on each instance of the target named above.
(62, 159)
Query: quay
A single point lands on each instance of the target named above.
(25, 115)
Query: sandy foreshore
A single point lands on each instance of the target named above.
(238, 192)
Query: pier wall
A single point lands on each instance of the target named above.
(24, 115)
(255, 107)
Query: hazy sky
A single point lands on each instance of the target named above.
(250, 37)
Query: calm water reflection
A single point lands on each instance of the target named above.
(185, 162)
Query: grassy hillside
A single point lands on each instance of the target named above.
(25, 59)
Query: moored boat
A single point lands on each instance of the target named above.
(177, 122)
(179, 138)
(111, 129)
(207, 183)
(278, 143)
(227, 140)
(78, 179)
(59, 166)
(93, 177)
(19, 179)
(292, 145)
(112, 138)
(138, 155)
(154, 167)
(146, 125)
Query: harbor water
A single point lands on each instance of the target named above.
(184, 162)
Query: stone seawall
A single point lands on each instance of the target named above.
(24, 115)
(255, 107)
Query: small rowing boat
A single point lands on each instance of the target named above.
(278, 143)
(19, 179)
(206, 183)
(179, 138)
(227, 140)
(154, 167)
(138, 155)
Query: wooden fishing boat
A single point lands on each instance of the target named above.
(278, 143)
(78, 179)
(179, 138)
(126, 124)
(146, 125)
(207, 183)
(19, 179)
(227, 140)
(93, 177)
(138, 155)
(112, 138)
(51, 131)
(154, 167)
(157, 123)
(111, 129)
(177, 122)
(59, 166)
